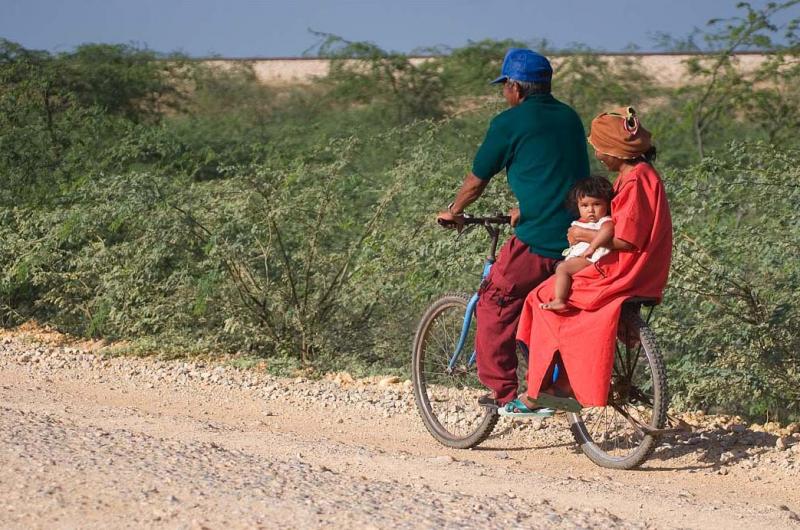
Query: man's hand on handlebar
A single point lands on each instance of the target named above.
(514, 214)
(449, 220)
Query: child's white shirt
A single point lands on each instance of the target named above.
(577, 250)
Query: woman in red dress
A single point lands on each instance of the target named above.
(581, 339)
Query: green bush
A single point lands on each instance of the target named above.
(117, 263)
(189, 208)
(59, 114)
(731, 323)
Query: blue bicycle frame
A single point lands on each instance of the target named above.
(473, 301)
(468, 315)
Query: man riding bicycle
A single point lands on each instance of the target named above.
(541, 143)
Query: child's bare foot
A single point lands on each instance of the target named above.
(555, 305)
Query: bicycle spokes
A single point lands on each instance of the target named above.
(446, 378)
(621, 426)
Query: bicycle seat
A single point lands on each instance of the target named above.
(643, 300)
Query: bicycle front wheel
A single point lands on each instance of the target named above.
(618, 436)
(447, 396)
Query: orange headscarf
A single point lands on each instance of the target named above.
(618, 133)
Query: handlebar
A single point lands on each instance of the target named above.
(491, 223)
(497, 219)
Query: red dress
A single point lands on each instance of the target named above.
(585, 336)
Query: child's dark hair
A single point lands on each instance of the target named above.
(593, 186)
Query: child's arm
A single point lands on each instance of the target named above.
(603, 238)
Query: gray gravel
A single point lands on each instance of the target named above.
(125, 465)
(66, 473)
(66, 470)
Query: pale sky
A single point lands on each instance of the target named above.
(279, 28)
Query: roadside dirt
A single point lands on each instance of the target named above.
(91, 441)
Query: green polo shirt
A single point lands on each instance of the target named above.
(542, 146)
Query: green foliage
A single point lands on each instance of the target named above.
(732, 320)
(184, 206)
(721, 86)
(59, 114)
(291, 244)
(363, 73)
(591, 83)
(120, 79)
(116, 263)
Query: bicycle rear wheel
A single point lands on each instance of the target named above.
(447, 399)
(618, 436)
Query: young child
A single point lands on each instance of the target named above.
(591, 197)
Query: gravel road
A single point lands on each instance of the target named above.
(91, 441)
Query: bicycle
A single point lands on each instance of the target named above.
(446, 388)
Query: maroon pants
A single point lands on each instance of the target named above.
(515, 273)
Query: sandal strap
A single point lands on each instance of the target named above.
(516, 405)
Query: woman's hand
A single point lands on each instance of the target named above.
(514, 214)
(576, 234)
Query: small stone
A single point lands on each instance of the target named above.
(343, 378)
(444, 459)
(781, 443)
(502, 455)
(388, 381)
(772, 427)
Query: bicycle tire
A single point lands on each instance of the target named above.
(624, 393)
(444, 313)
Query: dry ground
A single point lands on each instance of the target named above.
(90, 441)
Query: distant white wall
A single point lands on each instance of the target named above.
(666, 69)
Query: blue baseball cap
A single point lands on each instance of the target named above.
(525, 65)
